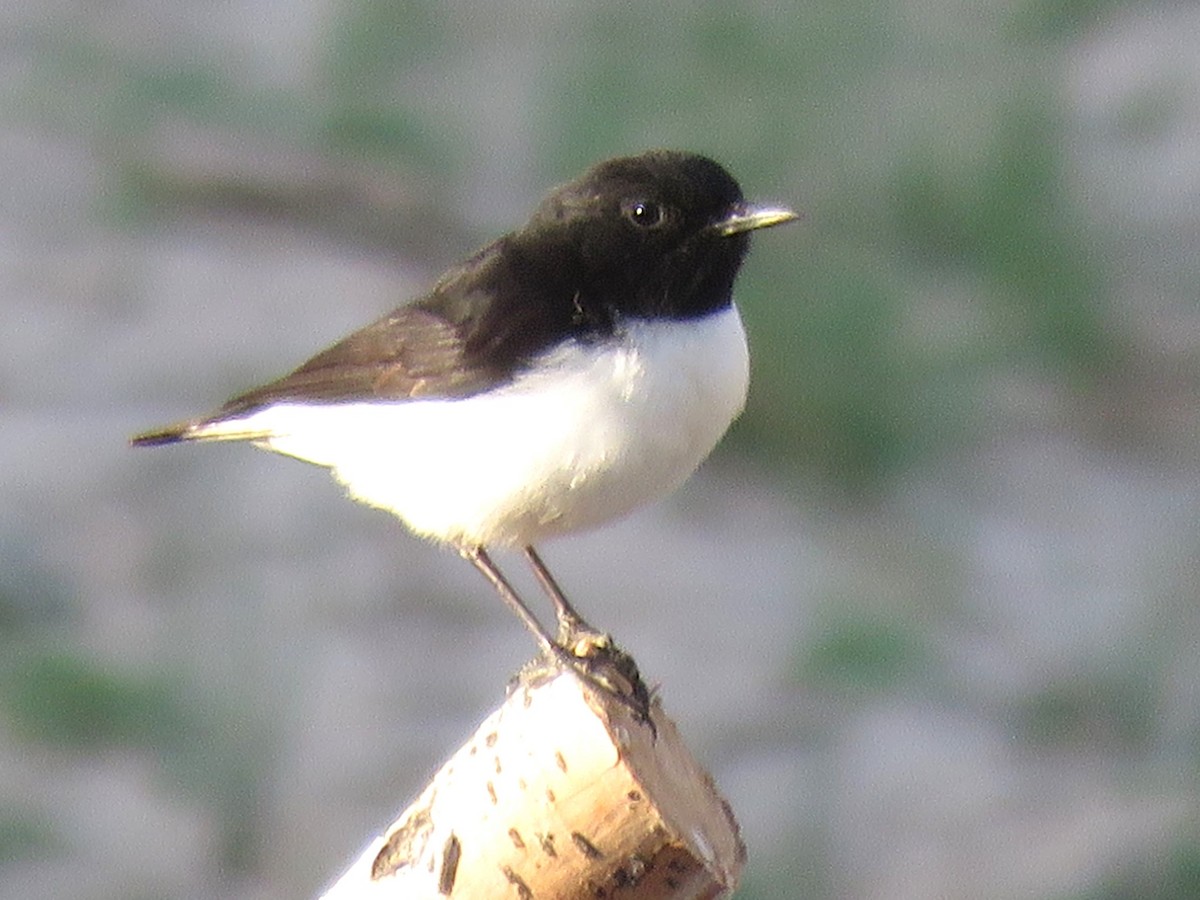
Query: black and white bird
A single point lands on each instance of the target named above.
(562, 376)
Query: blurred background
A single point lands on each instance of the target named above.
(929, 615)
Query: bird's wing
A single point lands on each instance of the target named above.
(412, 353)
(419, 351)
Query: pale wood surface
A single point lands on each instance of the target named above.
(561, 793)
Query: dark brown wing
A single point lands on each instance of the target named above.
(424, 350)
(417, 351)
(483, 321)
(409, 354)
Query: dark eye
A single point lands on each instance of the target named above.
(644, 213)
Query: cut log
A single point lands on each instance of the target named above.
(563, 792)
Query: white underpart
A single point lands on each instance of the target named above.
(590, 435)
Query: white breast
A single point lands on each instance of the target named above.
(591, 434)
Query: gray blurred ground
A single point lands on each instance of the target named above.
(252, 674)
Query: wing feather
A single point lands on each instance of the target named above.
(422, 350)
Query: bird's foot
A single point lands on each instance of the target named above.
(597, 659)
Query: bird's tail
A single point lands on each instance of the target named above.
(196, 430)
(171, 434)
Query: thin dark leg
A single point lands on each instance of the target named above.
(479, 558)
(571, 624)
(596, 657)
(595, 665)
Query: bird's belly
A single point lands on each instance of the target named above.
(587, 436)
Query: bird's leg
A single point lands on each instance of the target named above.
(572, 627)
(590, 654)
(478, 557)
(604, 663)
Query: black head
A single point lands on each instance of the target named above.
(655, 236)
(659, 235)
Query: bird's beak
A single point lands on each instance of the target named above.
(748, 217)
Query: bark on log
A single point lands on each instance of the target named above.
(562, 793)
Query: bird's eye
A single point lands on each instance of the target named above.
(644, 213)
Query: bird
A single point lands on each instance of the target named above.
(560, 377)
